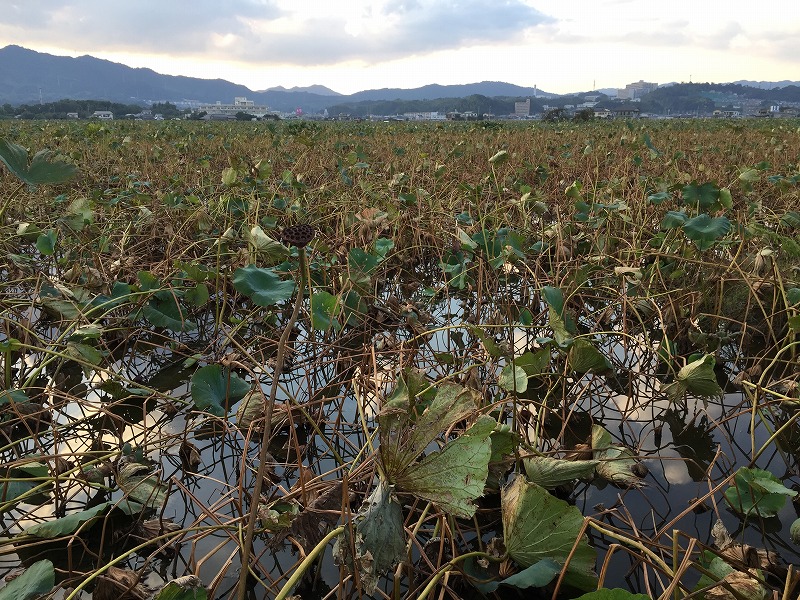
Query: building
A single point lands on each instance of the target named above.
(626, 112)
(632, 91)
(727, 114)
(105, 115)
(522, 109)
(240, 104)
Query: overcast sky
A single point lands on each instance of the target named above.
(352, 45)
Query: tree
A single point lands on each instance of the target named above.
(555, 114)
(585, 114)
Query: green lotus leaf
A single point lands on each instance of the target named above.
(616, 463)
(139, 483)
(513, 379)
(43, 169)
(537, 576)
(453, 477)
(583, 357)
(72, 522)
(402, 441)
(325, 307)
(216, 389)
(37, 580)
(757, 491)
(167, 313)
(703, 196)
(673, 219)
(188, 587)
(550, 472)
(697, 378)
(267, 248)
(263, 286)
(794, 531)
(539, 526)
(704, 230)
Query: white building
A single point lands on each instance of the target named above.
(636, 90)
(522, 109)
(105, 115)
(240, 104)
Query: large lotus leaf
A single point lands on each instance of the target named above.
(215, 389)
(673, 219)
(538, 526)
(72, 522)
(615, 594)
(38, 579)
(379, 537)
(401, 444)
(43, 169)
(583, 357)
(702, 196)
(757, 491)
(697, 378)
(704, 230)
(167, 313)
(263, 286)
(454, 476)
(616, 463)
(551, 472)
(513, 379)
(139, 483)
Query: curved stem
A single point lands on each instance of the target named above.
(446, 568)
(310, 558)
(263, 452)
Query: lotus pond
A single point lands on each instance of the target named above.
(400, 361)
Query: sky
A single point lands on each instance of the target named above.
(561, 46)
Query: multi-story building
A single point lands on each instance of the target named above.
(240, 104)
(522, 109)
(632, 91)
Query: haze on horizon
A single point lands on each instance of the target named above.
(352, 45)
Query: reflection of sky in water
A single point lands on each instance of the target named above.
(679, 442)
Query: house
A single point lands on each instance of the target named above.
(72, 115)
(626, 112)
(105, 115)
(788, 112)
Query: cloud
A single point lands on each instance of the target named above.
(270, 31)
(138, 26)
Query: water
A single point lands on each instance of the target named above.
(690, 447)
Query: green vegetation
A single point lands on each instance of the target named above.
(456, 360)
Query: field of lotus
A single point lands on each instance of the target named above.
(401, 361)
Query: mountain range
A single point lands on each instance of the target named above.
(28, 77)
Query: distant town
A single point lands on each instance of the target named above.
(630, 102)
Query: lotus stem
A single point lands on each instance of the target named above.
(267, 432)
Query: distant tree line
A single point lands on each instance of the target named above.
(674, 99)
(84, 108)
